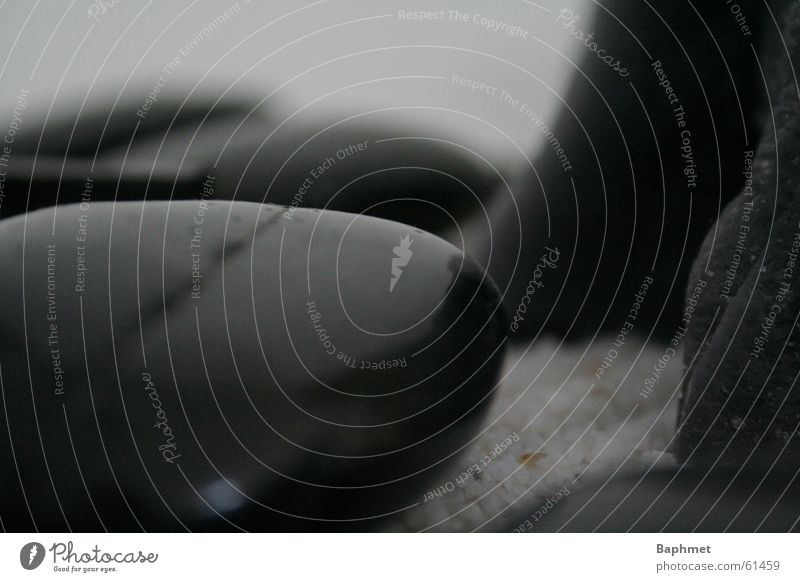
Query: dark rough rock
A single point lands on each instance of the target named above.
(129, 403)
(741, 403)
(677, 500)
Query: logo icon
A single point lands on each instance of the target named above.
(31, 555)
(402, 257)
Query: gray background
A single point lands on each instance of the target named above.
(63, 56)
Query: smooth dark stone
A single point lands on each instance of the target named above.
(275, 421)
(741, 402)
(377, 165)
(676, 501)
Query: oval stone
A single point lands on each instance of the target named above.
(228, 365)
